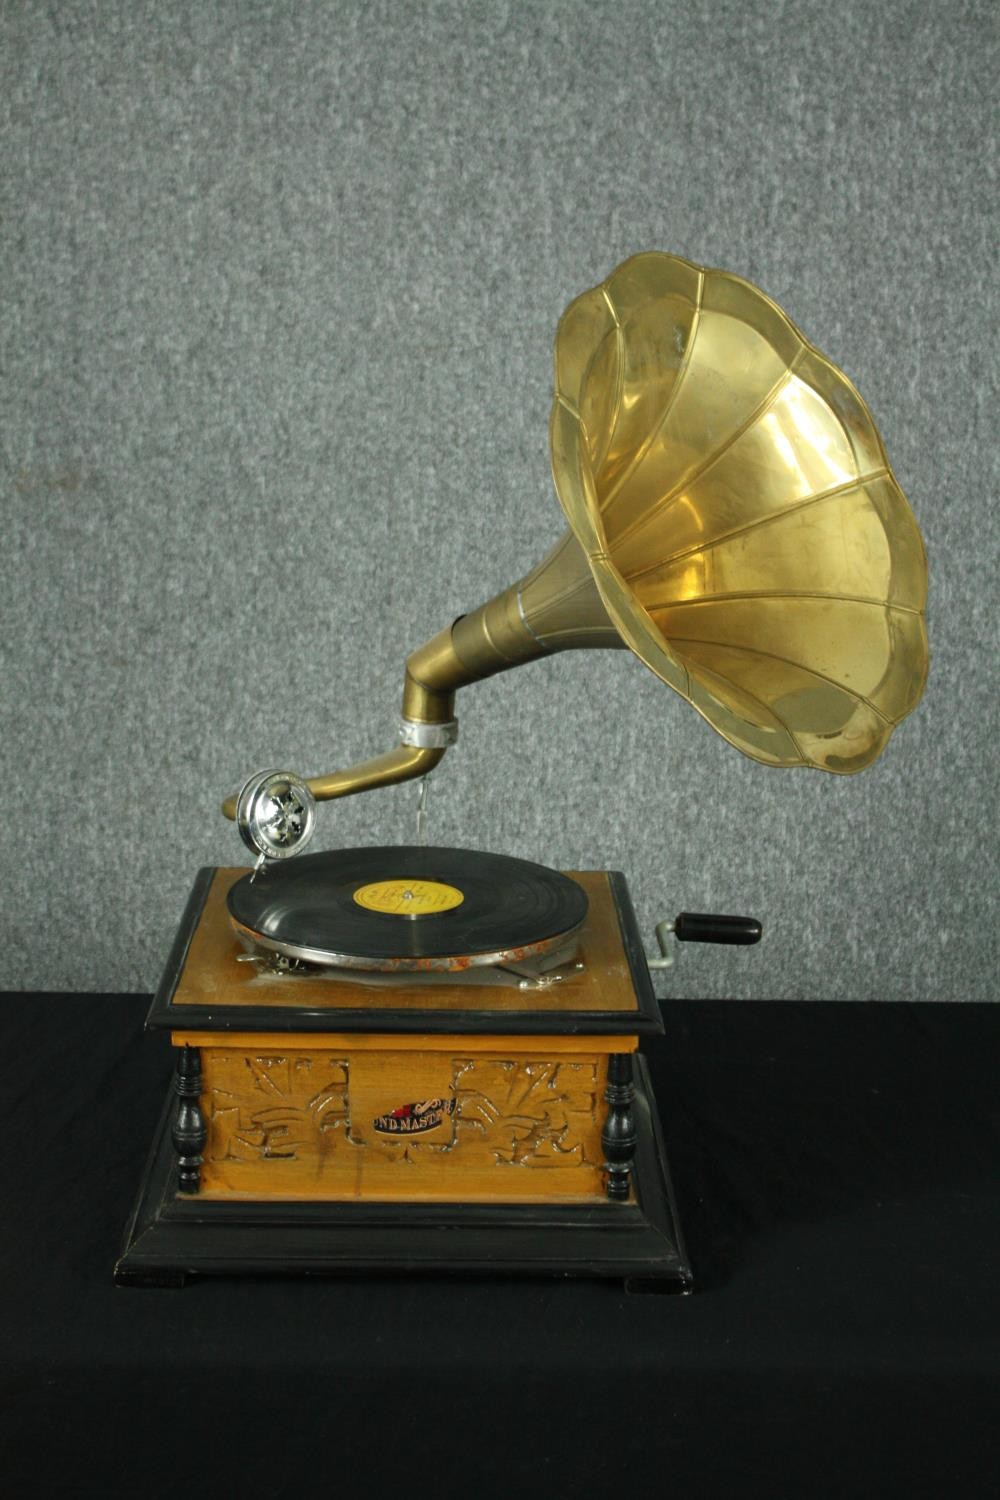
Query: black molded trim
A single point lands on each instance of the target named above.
(177, 957)
(635, 952)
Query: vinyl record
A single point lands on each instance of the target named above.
(407, 908)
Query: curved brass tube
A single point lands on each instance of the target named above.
(555, 608)
(401, 764)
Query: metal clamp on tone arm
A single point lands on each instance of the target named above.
(428, 736)
(702, 927)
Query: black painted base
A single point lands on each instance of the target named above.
(172, 1237)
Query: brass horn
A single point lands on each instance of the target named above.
(733, 520)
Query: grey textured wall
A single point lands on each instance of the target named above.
(279, 289)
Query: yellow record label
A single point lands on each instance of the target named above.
(408, 898)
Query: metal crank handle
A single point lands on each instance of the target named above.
(702, 927)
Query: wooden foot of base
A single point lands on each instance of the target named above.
(163, 1278)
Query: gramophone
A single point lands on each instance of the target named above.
(377, 1045)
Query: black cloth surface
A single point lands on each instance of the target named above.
(835, 1168)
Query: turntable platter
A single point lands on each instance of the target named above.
(407, 909)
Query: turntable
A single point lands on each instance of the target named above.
(374, 1046)
(447, 911)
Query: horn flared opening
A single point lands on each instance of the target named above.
(744, 528)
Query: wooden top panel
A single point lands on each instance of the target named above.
(213, 974)
(206, 988)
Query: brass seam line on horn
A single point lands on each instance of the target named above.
(611, 427)
(496, 636)
(857, 482)
(692, 640)
(769, 711)
(740, 595)
(560, 596)
(524, 619)
(700, 470)
(612, 309)
(672, 395)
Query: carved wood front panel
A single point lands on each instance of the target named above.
(273, 1107)
(421, 1125)
(528, 1114)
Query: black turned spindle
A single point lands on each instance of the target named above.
(188, 1132)
(618, 1137)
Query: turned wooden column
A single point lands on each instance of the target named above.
(618, 1137)
(188, 1132)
